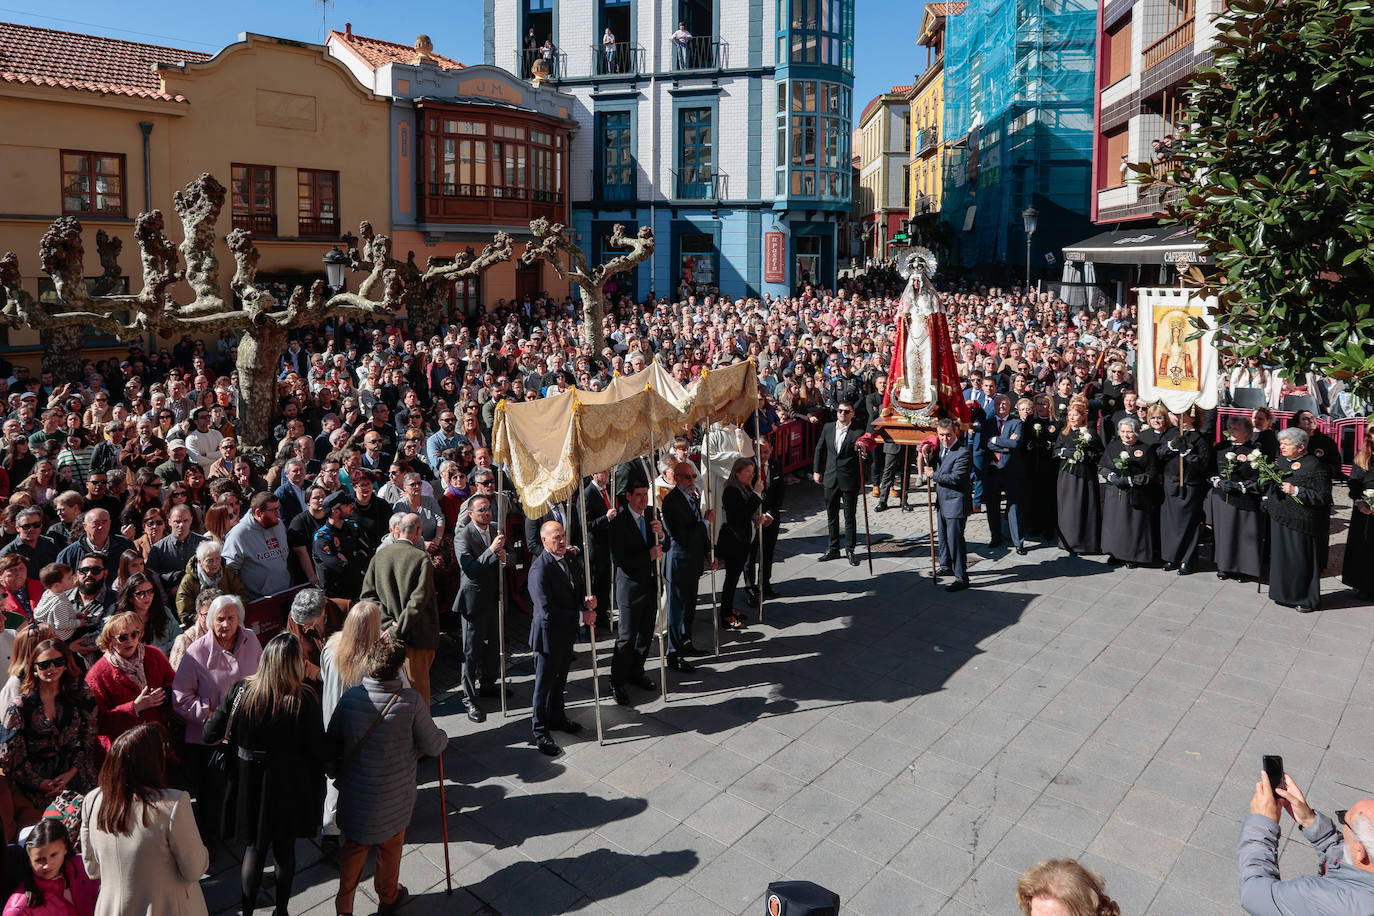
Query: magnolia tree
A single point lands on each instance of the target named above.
(261, 320)
(570, 263)
(1275, 173)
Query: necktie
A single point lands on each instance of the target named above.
(642, 532)
(606, 496)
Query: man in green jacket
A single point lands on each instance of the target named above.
(401, 579)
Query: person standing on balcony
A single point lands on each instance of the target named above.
(682, 42)
(547, 52)
(608, 51)
(531, 53)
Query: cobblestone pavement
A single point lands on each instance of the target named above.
(913, 751)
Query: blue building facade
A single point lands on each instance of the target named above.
(723, 125)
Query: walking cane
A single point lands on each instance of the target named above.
(501, 587)
(591, 629)
(443, 820)
(708, 494)
(868, 537)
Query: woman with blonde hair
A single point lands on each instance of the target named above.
(1079, 501)
(343, 663)
(273, 719)
(1063, 887)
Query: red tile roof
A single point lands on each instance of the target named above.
(374, 52)
(92, 63)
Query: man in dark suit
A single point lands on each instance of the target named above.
(950, 467)
(481, 551)
(635, 541)
(533, 543)
(836, 467)
(689, 549)
(1006, 473)
(601, 511)
(291, 493)
(774, 489)
(560, 599)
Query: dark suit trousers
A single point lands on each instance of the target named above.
(735, 559)
(550, 682)
(952, 548)
(834, 500)
(770, 546)
(601, 588)
(980, 465)
(633, 637)
(998, 484)
(894, 468)
(480, 663)
(683, 578)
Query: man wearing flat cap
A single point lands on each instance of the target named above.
(338, 549)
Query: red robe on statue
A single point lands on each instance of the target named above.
(949, 392)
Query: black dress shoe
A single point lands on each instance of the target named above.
(569, 727)
(476, 715)
(1222, 575)
(830, 555)
(644, 682)
(881, 507)
(1021, 551)
(546, 746)
(1130, 565)
(681, 664)
(770, 592)
(1169, 566)
(942, 571)
(402, 897)
(958, 585)
(1185, 570)
(621, 697)
(853, 560)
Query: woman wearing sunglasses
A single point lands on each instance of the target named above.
(140, 595)
(131, 683)
(46, 737)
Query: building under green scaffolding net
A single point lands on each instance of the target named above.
(1019, 123)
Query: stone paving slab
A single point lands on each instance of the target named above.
(912, 750)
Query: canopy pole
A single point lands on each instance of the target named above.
(587, 574)
(661, 593)
(501, 584)
(708, 493)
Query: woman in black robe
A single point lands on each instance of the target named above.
(1299, 507)
(1239, 527)
(1128, 513)
(1185, 463)
(1262, 418)
(1358, 569)
(1040, 431)
(1078, 499)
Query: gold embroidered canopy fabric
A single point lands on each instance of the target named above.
(548, 444)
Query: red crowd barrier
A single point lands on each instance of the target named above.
(794, 442)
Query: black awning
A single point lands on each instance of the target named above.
(1150, 245)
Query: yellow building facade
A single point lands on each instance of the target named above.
(111, 128)
(927, 99)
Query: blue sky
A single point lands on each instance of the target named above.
(885, 30)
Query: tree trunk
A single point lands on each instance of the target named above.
(425, 308)
(260, 349)
(62, 352)
(593, 320)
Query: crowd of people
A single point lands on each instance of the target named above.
(139, 534)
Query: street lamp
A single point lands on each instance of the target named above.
(334, 263)
(1030, 217)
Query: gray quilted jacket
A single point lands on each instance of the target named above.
(377, 783)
